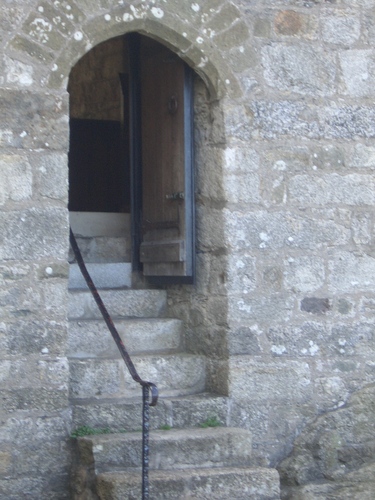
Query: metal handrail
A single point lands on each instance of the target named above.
(146, 386)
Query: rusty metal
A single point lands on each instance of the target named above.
(146, 386)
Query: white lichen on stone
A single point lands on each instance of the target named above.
(137, 13)
(18, 72)
(54, 67)
(195, 7)
(313, 348)
(279, 165)
(203, 62)
(127, 18)
(39, 29)
(107, 17)
(199, 39)
(158, 13)
(78, 35)
(278, 349)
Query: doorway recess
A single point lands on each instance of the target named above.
(131, 195)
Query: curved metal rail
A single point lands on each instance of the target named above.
(147, 387)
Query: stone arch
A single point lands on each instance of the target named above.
(180, 35)
(204, 309)
(198, 307)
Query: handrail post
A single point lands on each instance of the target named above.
(145, 442)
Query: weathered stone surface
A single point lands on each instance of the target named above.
(139, 335)
(333, 450)
(363, 156)
(329, 158)
(315, 305)
(342, 28)
(352, 189)
(274, 230)
(33, 233)
(260, 483)
(32, 336)
(25, 46)
(237, 34)
(18, 73)
(299, 69)
(292, 118)
(244, 339)
(36, 373)
(269, 382)
(262, 309)
(358, 72)
(304, 274)
(41, 120)
(350, 272)
(50, 172)
(173, 374)
(16, 178)
(211, 447)
(120, 304)
(177, 412)
(292, 23)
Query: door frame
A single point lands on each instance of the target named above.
(136, 175)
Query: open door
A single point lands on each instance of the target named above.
(162, 162)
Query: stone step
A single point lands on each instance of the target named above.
(169, 450)
(91, 338)
(244, 483)
(103, 249)
(120, 304)
(101, 236)
(92, 224)
(174, 375)
(176, 412)
(104, 275)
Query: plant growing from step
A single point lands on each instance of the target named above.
(85, 430)
(165, 427)
(211, 422)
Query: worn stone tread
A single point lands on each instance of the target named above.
(172, 449)
(91, 338)
(174, 375)
(120, 303)
(104, 275)
(255, 483)
(126, 413)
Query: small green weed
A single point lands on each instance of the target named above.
(211, 422)
(85, 430)
(165, 427)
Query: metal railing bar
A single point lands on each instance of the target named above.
(146, 386)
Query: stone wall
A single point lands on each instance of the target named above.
(285, 159)
(34, 412)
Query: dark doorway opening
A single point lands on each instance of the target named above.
(131, 150)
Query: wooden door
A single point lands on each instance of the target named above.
(165, 157)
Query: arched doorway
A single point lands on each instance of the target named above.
(131, 157)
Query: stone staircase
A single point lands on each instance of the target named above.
(186, 460)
